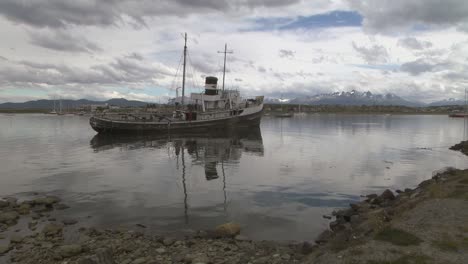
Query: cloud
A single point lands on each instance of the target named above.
(385, 16)
(63, 41)
(418, 67)
(288, 54)
(61, 14)
(424, 65)
(373, 55)
(413, 43)
(120, 71)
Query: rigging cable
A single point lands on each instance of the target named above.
(177, 72)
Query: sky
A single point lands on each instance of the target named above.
(102, 49)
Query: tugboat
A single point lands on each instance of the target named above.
(212, 109)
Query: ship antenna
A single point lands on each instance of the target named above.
(183, 74)
(225, 53)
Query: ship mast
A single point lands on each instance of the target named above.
(225, 53)
(183, 74)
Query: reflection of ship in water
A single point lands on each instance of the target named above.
(210, 150)
(219, 145)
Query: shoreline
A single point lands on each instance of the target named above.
(395, 228)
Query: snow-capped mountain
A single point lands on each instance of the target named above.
(353, 98)
(445, 102)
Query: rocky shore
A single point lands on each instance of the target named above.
(427, 224)
(29, 234)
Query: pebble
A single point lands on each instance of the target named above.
(161, 250)
(67, 251)
(139, 261)
(168, 241)
(69, 221)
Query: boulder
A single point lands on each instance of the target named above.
(168, 241)
(387, 195)
(4, 249)
(228, 230)
(8, 217)
(52, 229)
(67, 251)
(3, 204)
(24, 209)
(16, 239)
(11, 201)
(307, 248)
(48, 200)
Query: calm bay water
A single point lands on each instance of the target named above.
(276, 181)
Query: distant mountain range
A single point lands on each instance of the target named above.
(49, 104)
(351, 98)
(450, 101)
(337, 98)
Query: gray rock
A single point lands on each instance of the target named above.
(286, 257)
(139, 261)
(8, 217)
(61, 206)
(3, 204)
(104, 256)
(32, 224)
(307, 248)
(355, 219)
(67, 251)
(4, 249)
(168, 241)
(86, 260)
(69, 221)
(11, 201)
(47, 201)
(24, 208)
(52, 229)
(387, 195)
(241, 238)
(161, 250)
(16, 238)
(228, 230)
(200, 258)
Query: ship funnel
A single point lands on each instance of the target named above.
(211, 84)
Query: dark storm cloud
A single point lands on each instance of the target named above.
(382, 16)
(413, 43)
(59, 13)
(62, 41)
(372, 55)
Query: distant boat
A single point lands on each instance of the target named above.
(461, 114)
(458, 115)
(53, 112)
(284, 115)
